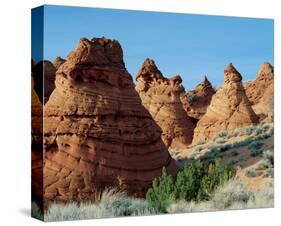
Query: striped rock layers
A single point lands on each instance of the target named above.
(97, 133)
(36, 147)
(229, 108)
(161, 97)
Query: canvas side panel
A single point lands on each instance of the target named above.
(37, 30)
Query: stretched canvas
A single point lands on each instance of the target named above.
(140, 113)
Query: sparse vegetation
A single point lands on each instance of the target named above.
(193, 182)
(112, 204)
(233, 195)
(268, 159)
(252, 173)
(36, 212)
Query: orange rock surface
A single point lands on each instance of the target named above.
(195, 102)
(261, 93)
(97, 133)
(161, 97)
(229, 109)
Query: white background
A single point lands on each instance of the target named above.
(15, 109)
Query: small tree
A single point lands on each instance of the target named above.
(188, 181)
(162, 192)
(217, 174)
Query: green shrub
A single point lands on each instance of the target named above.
(187, 183)
(256, 145)
(193, 183)
(162, 192)
(217, 174)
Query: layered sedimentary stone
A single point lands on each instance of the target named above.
(58, 62)
(97, 133)
(36, 147)
(230, 108)
(44, 73)
(261, 93)
(195, 102)
(161, 97)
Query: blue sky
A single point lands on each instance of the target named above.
(185, 44)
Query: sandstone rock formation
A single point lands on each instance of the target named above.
(44, 71)
(97, 133)
(229, 108)
(261, 92)
(195, 102)
(36, 148)
(58, 62)
(161, 97)
(265, 107)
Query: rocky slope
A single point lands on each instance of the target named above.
(261, 92)
(230, 108)
(97, 133)
(195, 102)
(161, 97)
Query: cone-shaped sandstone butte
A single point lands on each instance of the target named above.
(261, 93)
(161, 97)
(58, 62)
(44, 69)
(229, 108)
(97, 133)
(195, 102)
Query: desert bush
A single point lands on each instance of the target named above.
(233, 195)
(162, 192)
(249, 130)
(36, 212)
(193, 183)
(254, 152)
(188, 181)
(256, 145)
(111, 204)
(269, 172)
(211, 154)
(222, 134)
(236, 132)
(268, 159)
(252, 173)
(195, 155)
(217, 174)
